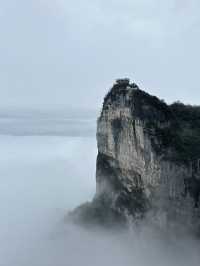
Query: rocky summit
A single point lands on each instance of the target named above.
(148, 163)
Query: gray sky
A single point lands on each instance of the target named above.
(61, 52)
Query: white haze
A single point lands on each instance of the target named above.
(69, 52)
(42, 177)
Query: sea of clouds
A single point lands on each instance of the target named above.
(42, 177)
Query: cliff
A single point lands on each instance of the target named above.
(148, 161)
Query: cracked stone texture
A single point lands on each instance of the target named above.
(137, 169)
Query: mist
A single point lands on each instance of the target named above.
(69, 52)
(44, 177)
(59, 58)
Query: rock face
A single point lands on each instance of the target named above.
(148, 158)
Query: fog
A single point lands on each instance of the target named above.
(51, 122)
(70, 52)
(58, 54)
(42, 178)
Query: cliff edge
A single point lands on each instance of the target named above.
(148, 163)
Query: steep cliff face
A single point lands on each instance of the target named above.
(148, 161)
(143, 165)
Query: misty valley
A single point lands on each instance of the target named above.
(99, 133)
(43, 177)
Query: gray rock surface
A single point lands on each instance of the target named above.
(143, 169)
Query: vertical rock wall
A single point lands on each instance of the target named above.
(135, 171)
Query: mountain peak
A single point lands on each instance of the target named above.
(148, 160)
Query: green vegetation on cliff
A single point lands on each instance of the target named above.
(174, 129)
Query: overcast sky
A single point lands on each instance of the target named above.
(61, 52)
